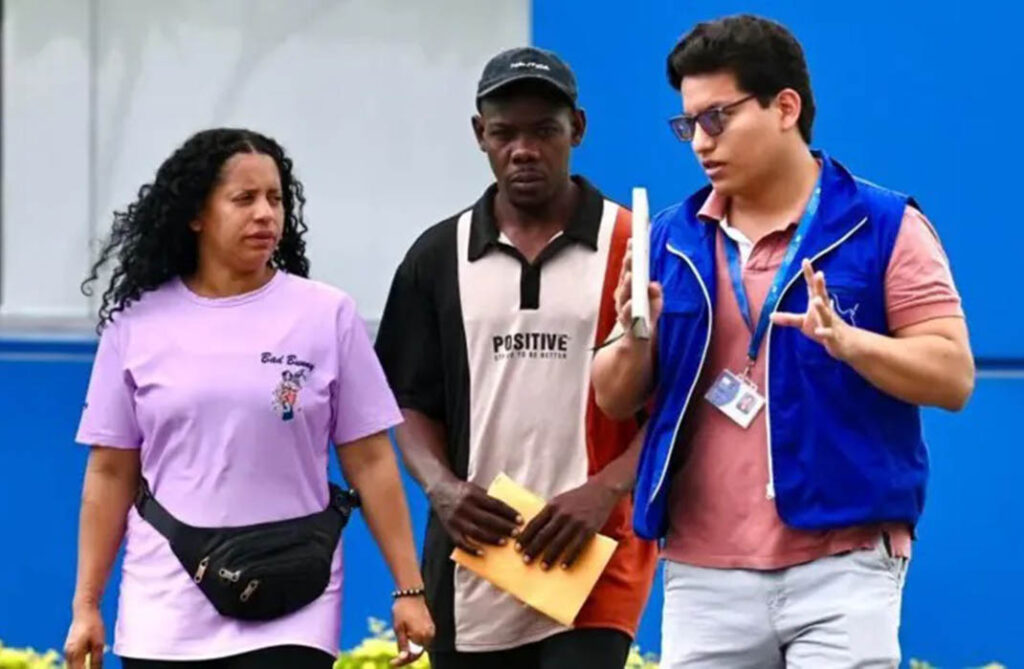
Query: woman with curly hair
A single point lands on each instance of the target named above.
(222, 373)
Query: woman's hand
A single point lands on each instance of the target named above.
(85, 639)
(412, 623)
(369, 466)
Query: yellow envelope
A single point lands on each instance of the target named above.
(558, 593)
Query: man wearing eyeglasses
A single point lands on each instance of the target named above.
(805, 316)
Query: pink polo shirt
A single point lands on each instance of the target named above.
(719, 513)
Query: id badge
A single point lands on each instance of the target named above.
(736, 397)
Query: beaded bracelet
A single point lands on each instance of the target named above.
(411, 592)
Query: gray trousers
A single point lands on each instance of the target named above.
(836, 612)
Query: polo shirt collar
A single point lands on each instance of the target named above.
(583, 227)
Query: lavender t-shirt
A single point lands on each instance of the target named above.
(232, 403)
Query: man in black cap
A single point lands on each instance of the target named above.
(487, 341)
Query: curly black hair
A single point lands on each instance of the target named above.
(763, 55)
(151, 241)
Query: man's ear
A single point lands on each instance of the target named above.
(790, 105)
(478, 130)
(579, 126)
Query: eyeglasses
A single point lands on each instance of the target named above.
(712, 121)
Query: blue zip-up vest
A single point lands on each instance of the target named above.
(841, 452)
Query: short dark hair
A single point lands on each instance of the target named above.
(763, 55)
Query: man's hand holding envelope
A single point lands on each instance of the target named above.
(558, 593)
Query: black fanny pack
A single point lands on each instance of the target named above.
(256, 572)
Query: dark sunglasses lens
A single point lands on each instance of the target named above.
(712, 121)
(682, 127)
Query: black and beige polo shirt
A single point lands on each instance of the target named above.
(499, 350)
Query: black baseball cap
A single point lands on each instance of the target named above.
(527, 64)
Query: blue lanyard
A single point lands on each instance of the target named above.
(732, 252)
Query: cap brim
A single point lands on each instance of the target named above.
(526, 76)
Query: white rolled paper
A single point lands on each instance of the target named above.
(641, 265)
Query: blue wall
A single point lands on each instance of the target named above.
(918, 96)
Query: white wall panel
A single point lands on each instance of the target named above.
(372, 99)
(45, 224)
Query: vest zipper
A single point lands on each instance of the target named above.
(770, 487)
(700, 369)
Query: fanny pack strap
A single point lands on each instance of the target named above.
(342, 501)
(160, 518)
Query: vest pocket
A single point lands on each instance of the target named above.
(847, 298)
